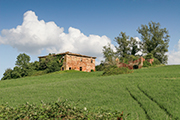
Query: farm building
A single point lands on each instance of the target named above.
(72, 61)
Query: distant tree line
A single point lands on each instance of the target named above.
(26, 68)
(154, 45)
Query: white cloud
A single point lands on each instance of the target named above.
(33, 36)
(174, 56)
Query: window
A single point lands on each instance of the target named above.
(81, 60)
(80, 68)
(91, 61)
(69, 68)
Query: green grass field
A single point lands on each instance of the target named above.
(148, 93)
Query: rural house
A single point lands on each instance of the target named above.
(72, 61)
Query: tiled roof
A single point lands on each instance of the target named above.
(69, 53)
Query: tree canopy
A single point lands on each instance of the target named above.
(22, 60)
(154, 43)
(155, 40)
(123, 48)
(24, 68)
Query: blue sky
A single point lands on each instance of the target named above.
(81, 26)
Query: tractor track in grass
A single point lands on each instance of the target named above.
(160, 106)
(147, 116)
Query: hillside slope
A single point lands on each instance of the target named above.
(149, 93)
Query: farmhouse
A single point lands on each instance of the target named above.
(72, 61)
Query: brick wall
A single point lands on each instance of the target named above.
(72, 62)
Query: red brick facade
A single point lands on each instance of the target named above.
(138, 62)
(78, 62)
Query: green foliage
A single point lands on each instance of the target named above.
(156, 62)
(51, 63)
(125, 50)
(114, 70)
(100, 67)
(154, 91)
(42, 64)
(133, 57)
(123, 45)
(149, 56)
(7, 74)
(155, 40)
(56, 110)
(35, 65)
(109, 54)
(146, 64)
(16, 73)
(22, 60)
(125, 60)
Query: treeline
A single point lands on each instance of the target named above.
(154, 45)
(26, 68)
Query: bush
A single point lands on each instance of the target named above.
(146, 64)
(133, 58)
(100, 67)
(57, 110)
(92, 70)
(156, 62)
(149, 56)
(114, 70)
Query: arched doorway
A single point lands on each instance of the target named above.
(135, 67)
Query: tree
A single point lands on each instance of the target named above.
(51, 63)
(109, 54)
(16, 73)
(123, 48)
(155, 40)
(22, 60)
(7, 74)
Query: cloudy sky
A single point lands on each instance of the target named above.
(39, 27)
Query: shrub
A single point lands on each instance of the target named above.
(156, 62)
(146, 64)
(114, 70)
(133, 58)
(56, 110)
(125, 60)
(100, 67)
(149, 56)
(92, 70)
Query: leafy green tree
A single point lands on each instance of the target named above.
(51, 63)
(149, 56)
(16, 73)
(155, 40)
(42, 64)
(100, 67)
(109, 54)
(123, 48)
(7, 74)
(22, 60)
(35, 65)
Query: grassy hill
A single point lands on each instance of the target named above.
(148, 93)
